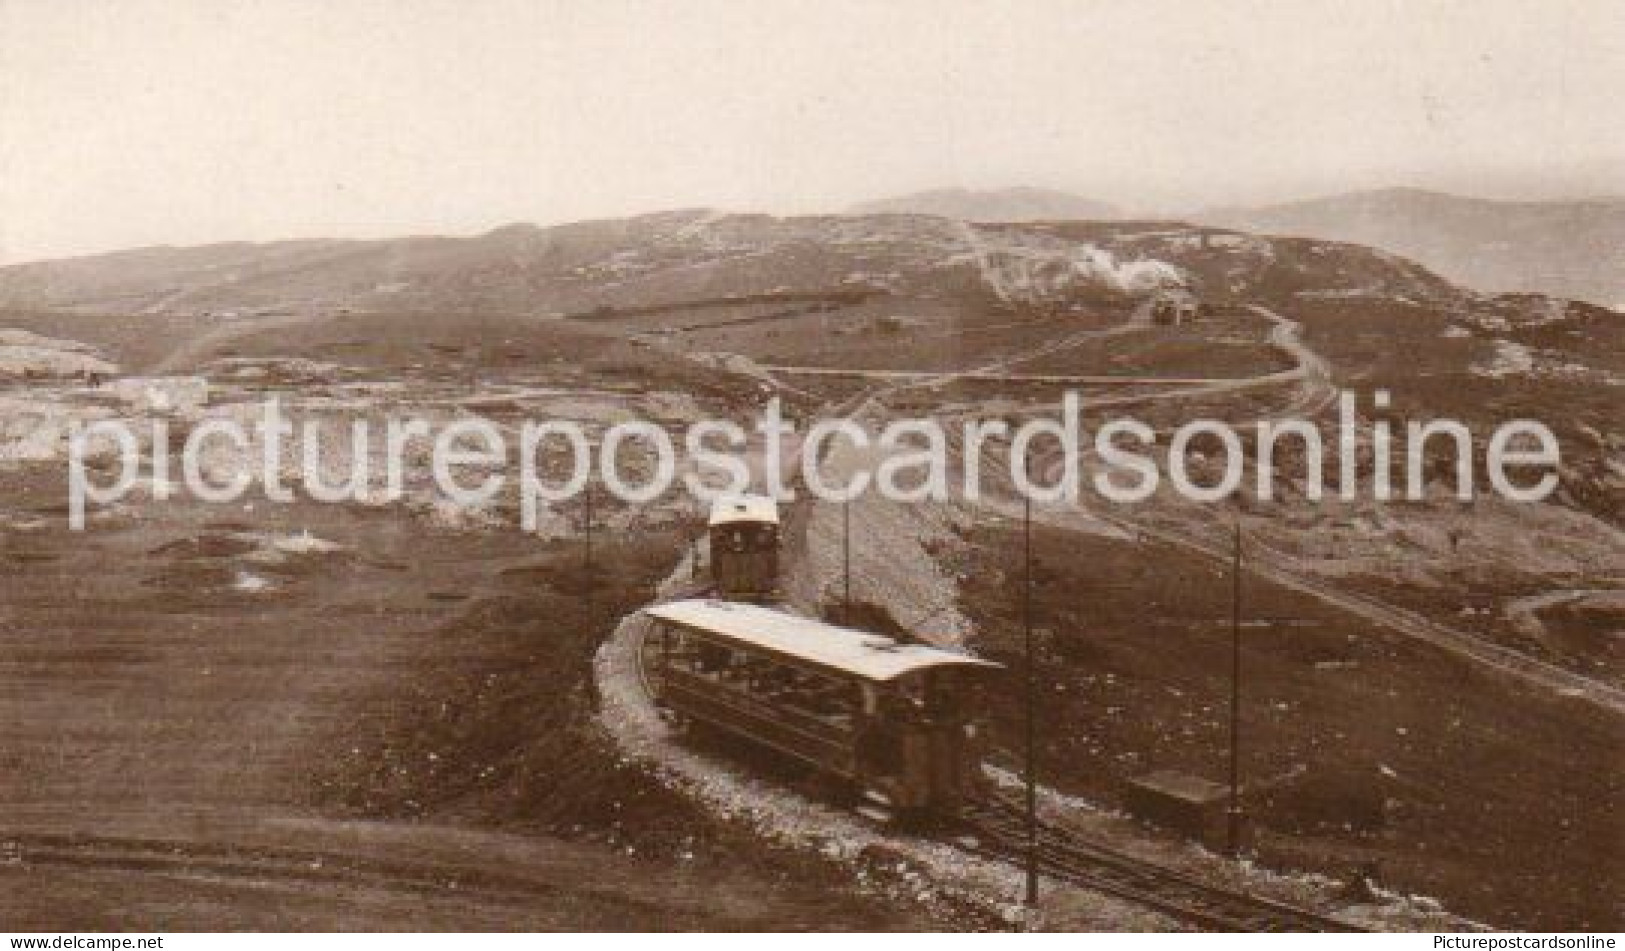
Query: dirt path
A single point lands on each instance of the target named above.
(259, 870)
(937, 379)
(1313, 372)
(1310, 373)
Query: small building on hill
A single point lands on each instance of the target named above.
(1175, 306)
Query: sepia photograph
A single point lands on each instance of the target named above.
(1135, 467)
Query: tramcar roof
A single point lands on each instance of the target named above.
(860, 654)
(744, 508)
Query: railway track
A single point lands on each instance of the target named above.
(1273, 565)
(640, 662)
(1000, 833)
(319, 869)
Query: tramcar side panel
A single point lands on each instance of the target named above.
(904, 739)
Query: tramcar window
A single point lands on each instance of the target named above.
(711, 658)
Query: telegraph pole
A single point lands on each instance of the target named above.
(1032, 746)
(846, 561)
(1233, 829)
(589, 580)
(587, 532)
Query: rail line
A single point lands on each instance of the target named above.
(640, 662)
(262, 864)
(1065, 855)
(1497, 657)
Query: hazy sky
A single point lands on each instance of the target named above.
(127, 123)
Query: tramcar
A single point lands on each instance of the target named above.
(892, 722)
(743, 534)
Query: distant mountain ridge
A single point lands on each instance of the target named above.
(1573, 249)
(697, 255)
(1000, 204)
